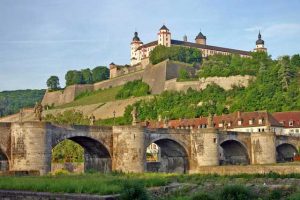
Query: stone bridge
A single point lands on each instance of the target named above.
(28, 147)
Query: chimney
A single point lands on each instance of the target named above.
(239, 114)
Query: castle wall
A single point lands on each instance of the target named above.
(159, 77)
(224, 82)
(117, 81)
(65, 96)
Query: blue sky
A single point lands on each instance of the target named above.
(40, 38)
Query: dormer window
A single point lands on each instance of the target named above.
(240, 122)
(250, 121)
(260, 121)
(291, 123)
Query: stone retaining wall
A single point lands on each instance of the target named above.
(224, 82)
(249, 169)
(28, 195)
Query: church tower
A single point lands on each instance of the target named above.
(260, 44)
(164, 36)
(135, 56)
(200, 39)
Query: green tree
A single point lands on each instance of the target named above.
(74, 77)
(135, 88)
(285, 73)
(67, 151)
(87, 76)
(176, 53)
(100, 73)
(295, 60)
(183, 74)
(53, 83)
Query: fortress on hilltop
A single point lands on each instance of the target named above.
(161, 76)
(140, 52)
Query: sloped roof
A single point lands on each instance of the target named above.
(200, 36)
(209, 47)
(164, 28)
(286, 117)
(233, 118)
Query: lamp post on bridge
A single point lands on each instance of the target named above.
(114, 113)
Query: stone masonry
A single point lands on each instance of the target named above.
(27, 147)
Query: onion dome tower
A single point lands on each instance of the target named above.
(260, 44)
(135, 44)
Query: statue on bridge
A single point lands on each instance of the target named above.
(134, 115)
(38, 110)
(92, 119)
(210, 121)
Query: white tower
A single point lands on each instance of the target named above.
(135, 56)
(164, 36)
(260, 44)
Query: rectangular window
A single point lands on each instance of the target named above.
(240, 122)
(250, 121)
(260, 121)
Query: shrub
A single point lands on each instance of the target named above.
(61, 172)
(135, 88)
(176, 53)
(134, 190)
(183, 75)
(275, 195)
(202, 196)
(295, 196)
(235, 192)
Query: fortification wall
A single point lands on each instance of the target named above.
(65, 96)
(121, 80)
(159, 77)
(224, 82)
(155, 77)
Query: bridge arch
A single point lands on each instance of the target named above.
(4, 161)
(233, 152)
(96, 155)
(285, 152)
(173, 156)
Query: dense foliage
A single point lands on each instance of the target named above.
(275, 88)
(67, 151)
(86, 76)
(53, 83)
(135, 88)
(230, 65)
(12, 101)
(177, 53)
(68, 117)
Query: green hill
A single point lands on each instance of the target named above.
(12, 101)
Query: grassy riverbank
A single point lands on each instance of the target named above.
(114, 183)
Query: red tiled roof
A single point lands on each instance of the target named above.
(233, 118)
(286, 117)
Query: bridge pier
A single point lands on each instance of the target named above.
(204, 148)
(30, 147)
(129, 149)
(263, 148)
